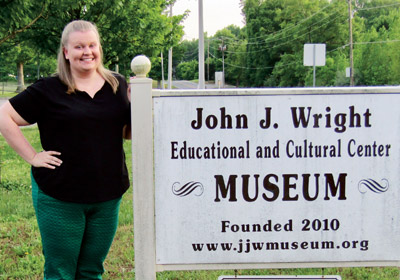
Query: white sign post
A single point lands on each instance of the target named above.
(314, 55)
(265, 178)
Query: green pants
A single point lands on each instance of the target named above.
(75, 237)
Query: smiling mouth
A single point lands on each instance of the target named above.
(87, 59)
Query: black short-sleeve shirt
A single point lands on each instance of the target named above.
(88, 134)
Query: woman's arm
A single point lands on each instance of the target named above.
(10, 121)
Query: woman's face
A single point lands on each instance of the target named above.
(83, 51)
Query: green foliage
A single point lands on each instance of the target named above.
(127, 28)
(40, 66)
(341, 63)
(377, 59)
(329, 74)
(274, 57)
(235, 61)
(6, 73)
(289, 71)
(188, 70)
(8, 70)
(186, 51)
(268, 51)
(18, 15)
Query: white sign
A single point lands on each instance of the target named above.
(348, 72)
(292, 178)
(295, 277)
(314, 54)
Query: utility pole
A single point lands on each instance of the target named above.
(351, 44)
(201, 47)
(170, 58)
(208, 60)
(162, 71)
(222, 48)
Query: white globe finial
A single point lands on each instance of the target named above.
(141, 66)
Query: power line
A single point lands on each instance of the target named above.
(296, 25)
(299, 60)
(285, 42)
(365, 43)
(250, 68)
(296, 34)
(378, 7)
(376, 42)
(291, 27)
(270, 37)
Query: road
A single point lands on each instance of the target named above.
(184, 85)
(191, 85)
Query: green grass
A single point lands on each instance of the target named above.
(20, 247)
(7, 89)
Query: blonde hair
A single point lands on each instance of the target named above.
(63, 66)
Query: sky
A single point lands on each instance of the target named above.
(217, 14)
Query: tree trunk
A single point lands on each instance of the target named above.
(20, 75)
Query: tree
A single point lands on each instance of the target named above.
(288, 72)
(188, 70)
(7, 67)
(16, 16)
(233, 39)
(235, 63)
(16, 53)
(187, 50)
(23, 54)
(377, 54)
(278, 30)
(260, 23)
(127, 27)
(268, 51)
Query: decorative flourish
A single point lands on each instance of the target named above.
(187, 189)
(372, 185)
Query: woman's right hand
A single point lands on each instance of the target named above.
(46, 159)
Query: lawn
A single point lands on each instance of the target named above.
(7, 89)
(20, 247)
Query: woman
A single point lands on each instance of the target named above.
(80, 177)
